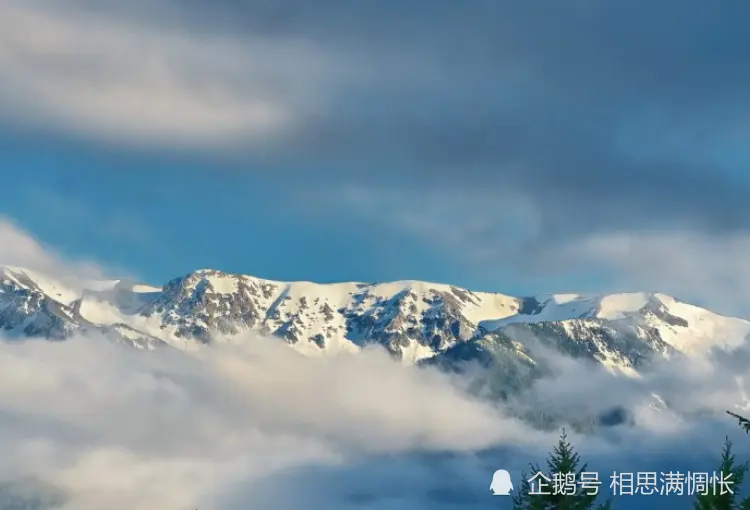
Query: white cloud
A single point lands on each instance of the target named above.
(485, 230)
(139, 79)
(255, 425)
(712, 269)
(19, 248)
(136, 430)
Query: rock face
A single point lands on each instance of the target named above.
(26, 310)
(411, 320)
(414, 321)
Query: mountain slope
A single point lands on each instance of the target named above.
(413, 320)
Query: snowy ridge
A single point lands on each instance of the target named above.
(413, 320)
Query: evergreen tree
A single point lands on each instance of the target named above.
(728, 470)
(566, 496)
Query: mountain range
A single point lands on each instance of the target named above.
(416, 322)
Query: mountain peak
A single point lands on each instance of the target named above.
(412, 319)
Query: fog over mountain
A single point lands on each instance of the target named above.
(216, 391)
(256, 425)
(358, 255)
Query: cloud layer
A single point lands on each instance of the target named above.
(139, 430)
(597, 136)
(19, 248)
(528, 130)
(257, 425)
(107, 73)
(90, 424)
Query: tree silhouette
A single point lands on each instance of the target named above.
(729, 500)
(562, 461)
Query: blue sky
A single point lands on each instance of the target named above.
(156, 218)
(493, 145)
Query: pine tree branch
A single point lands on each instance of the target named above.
(744, 422)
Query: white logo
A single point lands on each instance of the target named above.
(501, 484)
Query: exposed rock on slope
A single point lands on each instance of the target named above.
(413, 320)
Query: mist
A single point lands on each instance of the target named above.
(253, 424)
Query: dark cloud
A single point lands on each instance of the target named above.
(605, 116)
(611, 111)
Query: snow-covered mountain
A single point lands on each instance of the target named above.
(415, 321)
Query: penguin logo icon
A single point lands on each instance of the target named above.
(501, 484)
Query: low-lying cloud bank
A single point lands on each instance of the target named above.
(89, 424)
(141, 430)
